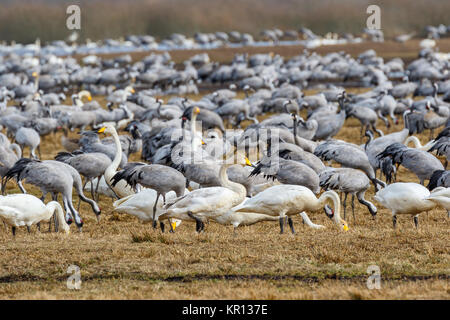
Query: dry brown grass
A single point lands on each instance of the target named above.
(387, 50)
(121, 258)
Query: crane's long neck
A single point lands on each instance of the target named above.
(53, 207)
(331, 195)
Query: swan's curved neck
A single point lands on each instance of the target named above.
(194, 138)
(118, 158)
(331, 195)
(414, 140)
(16, 149)
(225, 182)
(53, 206)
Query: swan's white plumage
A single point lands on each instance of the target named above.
(25, 210)
(405, 198)
(141, 204)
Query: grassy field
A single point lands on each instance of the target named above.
(120, 258)
(387, 50)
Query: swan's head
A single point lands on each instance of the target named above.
(196, 110)
(130, 89)
(341, 223)
(85, 93)
(108, 128)
(65, 227)
(35, 74)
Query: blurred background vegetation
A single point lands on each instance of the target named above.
(24, 21)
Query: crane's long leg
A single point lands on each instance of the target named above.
(96, 188)
(154, 210)
(28, 229)
(55, 217)
(92, 189)
(13, 229)
(345, 204)
(394, 221)
(353, 206)
(416, 221)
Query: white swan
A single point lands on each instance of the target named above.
(79, 101)
(201, 204)
(141, 204)
(249, 218)
(405, 198)
(121, 189)
(25, 210)
(286, 200)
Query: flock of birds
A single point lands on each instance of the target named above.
(198, 164)
(204, 41)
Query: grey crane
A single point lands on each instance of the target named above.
(330, 124)
(287, 171)
(158, 177)
(348, 155)
(28, 137)
(348, 181)
(420, 162)
(439, 178)
(89, 165)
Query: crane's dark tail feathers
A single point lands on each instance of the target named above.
(434, 180)
(16, 170)
(63, 156)
(127, 174)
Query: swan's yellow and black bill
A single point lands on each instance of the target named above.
(345, 228)
(174, 225)
(101, 130)
(34, 74)
(196, 110)
(89, 98)
(247, 162)
(132, 90)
